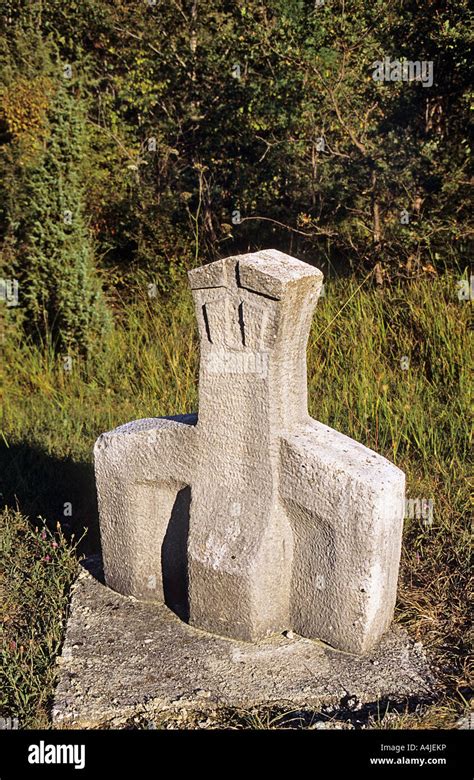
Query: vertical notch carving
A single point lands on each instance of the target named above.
(206, 323)
(237, 275)
(241, 322)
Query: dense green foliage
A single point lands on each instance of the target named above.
(192, 111)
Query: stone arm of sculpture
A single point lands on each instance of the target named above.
(345, 505)
(142, 473)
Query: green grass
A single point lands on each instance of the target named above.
(37, 570)
(418, 418)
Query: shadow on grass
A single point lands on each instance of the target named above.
(58, 490)
(63, 491)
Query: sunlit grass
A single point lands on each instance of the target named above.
(417, 417)
(37, 570)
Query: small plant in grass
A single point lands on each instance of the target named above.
(37, 568)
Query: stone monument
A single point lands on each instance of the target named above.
(250, 518)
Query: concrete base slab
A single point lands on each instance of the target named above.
(122, 658)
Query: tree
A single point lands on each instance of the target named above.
(47, 225)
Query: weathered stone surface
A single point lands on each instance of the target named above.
(252, 518)
(122, 658)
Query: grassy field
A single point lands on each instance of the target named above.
(386, 367)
